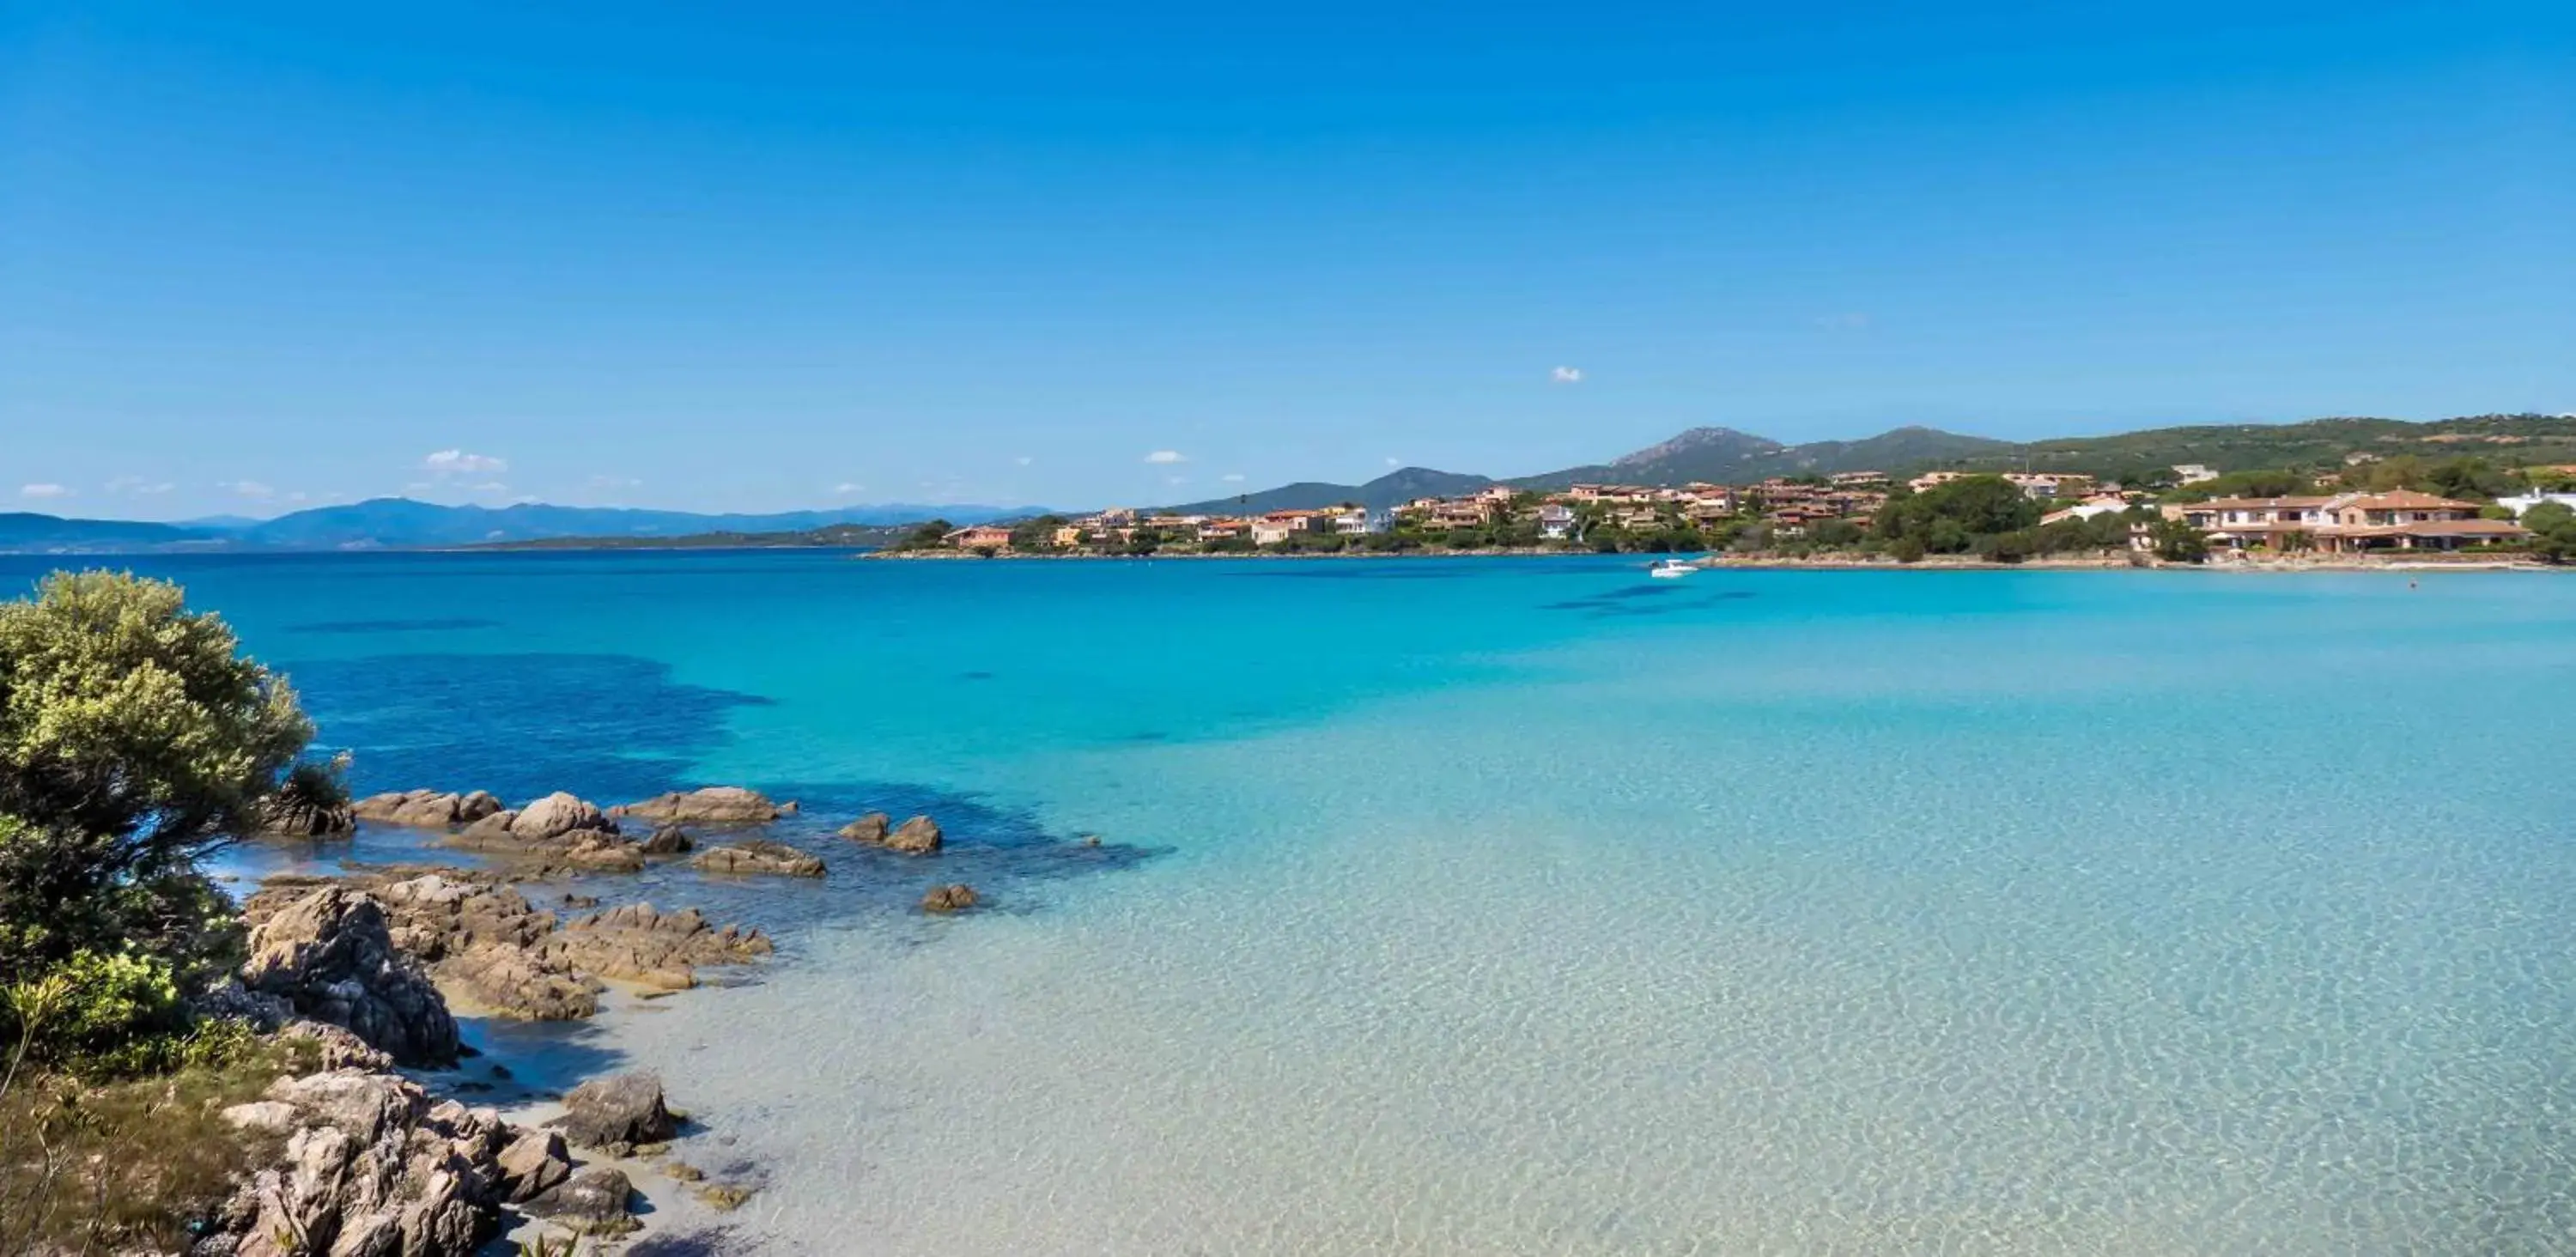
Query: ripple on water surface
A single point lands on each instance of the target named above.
(1676, 958)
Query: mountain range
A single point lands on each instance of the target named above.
(1712, 454)
(1726, 456)
(399, 523)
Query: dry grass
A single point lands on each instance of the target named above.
(94, 1167)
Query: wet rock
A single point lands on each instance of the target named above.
(641, 944)
(918, 836)
(426, 809)
(556, 815)
(330, 955)
(596, 1201)
(714, 805)
(370, 1165)
(757, 857)
(669, 840)
(616, 1113)
(490, 947)
(489, 831)
(520, 983)
(956, 897)
(596, 852)
(533, 1164)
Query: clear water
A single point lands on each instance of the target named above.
(1519, 907)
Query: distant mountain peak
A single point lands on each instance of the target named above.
(1701, 439)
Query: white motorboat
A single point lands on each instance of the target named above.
(1671, 569)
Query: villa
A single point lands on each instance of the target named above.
(980, 537)
(2098, 504)
(2048, 485)
(1555, 521)
(2346, 523)
(2406, 520)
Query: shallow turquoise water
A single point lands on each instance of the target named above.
(1510, 907)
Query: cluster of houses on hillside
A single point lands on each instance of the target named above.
(2342, 523)
(1788, 506)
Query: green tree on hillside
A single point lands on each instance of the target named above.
(2259, 483)
(928, 535)
(1948, 518)
(1036, 536)
(2553, 531)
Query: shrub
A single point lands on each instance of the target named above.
(133, 737)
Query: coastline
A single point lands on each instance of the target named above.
(2121, 562)
(537, 951)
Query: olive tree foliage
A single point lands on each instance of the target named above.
(133, 736)
(2553, 531)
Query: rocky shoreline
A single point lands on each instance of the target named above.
(365, 969)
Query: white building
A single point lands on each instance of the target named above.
(2525, 501)
(1555, 521)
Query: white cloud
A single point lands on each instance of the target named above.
(1393, 461)
(1167, 456)
(1232, 477)
(845, 488)
(615, 482)
(460, 463)
(1566, 375)
(248, 488)
(1024, 460)
(1176, 480)
(297, 497)
(137, 484)
(45, 491)
(490, 486)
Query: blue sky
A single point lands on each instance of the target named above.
(256, 256)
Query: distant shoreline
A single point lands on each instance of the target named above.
(1782, 563)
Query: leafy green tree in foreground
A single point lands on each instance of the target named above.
(133, 738)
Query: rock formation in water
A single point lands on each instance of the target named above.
(558, 815)
(918, 836)
(595, 1201)
(617, 1113)
(668, 840)
(955, 897)
(713, 805)
(487, 943)
(757, 856)
(425, 809)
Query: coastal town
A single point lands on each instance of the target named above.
(2189, 514)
